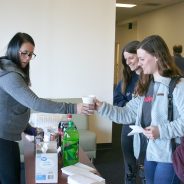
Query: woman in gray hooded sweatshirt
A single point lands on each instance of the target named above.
(16, 100)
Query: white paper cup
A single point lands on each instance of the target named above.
(88, 99)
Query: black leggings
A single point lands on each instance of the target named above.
(9, 162)
(130, 162)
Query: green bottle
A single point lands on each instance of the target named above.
(70, 145)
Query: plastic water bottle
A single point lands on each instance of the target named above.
(70, 145)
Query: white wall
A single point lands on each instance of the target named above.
(123, 36)
(74, 47)
(166, 22)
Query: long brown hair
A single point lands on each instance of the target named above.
(156, 46)
(131, 47)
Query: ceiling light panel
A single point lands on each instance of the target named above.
(125, 5)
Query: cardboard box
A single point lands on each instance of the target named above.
(46, 162)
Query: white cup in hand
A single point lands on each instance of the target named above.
(90, 99)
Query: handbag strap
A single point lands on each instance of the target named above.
(172, 85)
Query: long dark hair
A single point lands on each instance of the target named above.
(156, 46)
(12, 52)
(131, 47)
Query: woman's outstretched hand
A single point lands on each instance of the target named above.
(87, 109)
(98, 104)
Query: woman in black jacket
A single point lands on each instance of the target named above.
(122, 94)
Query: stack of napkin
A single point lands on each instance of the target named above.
(82, 174)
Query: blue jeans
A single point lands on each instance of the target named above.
(160, 173)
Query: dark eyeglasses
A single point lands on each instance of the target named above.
(31, 55)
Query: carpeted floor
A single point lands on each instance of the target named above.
(109, 163)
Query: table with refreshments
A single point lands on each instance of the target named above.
(57, 158)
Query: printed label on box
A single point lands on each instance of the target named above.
(46, 164)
